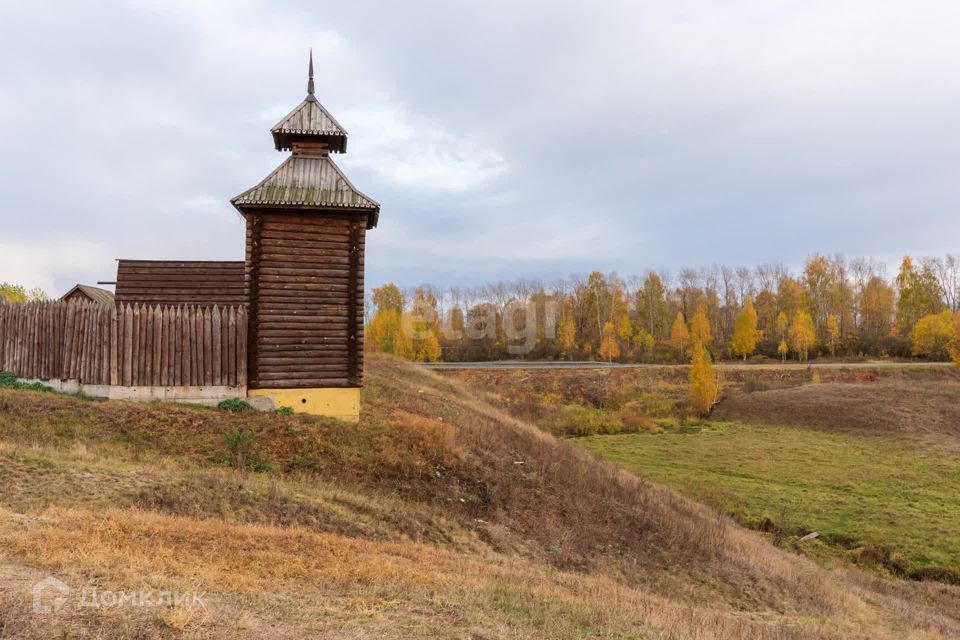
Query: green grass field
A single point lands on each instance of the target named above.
(855, 490)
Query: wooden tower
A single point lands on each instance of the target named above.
(306, 224)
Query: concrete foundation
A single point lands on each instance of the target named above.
(208, 396)
(340, 403)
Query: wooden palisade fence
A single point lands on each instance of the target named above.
(127, 346)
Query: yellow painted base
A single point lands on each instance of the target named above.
(343, 404)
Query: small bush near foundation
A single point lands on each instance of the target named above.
(8, 380)
(285, 411)
(234, 405)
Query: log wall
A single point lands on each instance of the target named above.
(128, 345)
(305, 282)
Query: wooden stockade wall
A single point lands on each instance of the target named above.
(181, 346)
(128, 345)
(57, 340)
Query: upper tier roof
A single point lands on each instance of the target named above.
(309, 122)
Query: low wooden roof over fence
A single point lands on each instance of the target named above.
(181, 282)
(93, 294)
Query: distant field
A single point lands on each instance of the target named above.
(855, 490)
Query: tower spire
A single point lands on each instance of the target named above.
(310, 78)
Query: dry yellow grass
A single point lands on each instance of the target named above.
(437, 516)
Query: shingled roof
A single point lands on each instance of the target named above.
(309, 118)
(93, 294)
(309, 121)
(308, 179)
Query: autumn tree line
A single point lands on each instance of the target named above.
(834, 307)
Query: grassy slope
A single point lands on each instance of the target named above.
(867, 457)
(437, 516)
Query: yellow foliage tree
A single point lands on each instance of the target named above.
(645, 343)
(428, 349)
(745, 331)
(679, 335)
(782, 349)
(955, 347)
(782, 325)
(609, 348)
(802, 334)
(649, 342)
(933, 335)
(700, 328)
(833, 333)
(386, 334)
(703, 381)
(567, 335)
(422, 324)
(12, 292)
(625, 330)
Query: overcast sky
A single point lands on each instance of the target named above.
(535, 139)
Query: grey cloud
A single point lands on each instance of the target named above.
(502, 139)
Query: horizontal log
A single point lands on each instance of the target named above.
(314, 338)
(289, 259)
(168, 291)
(304, 341)
(306, 224)
(278, 382)
(338, 238)
(176, 269)
(311, 232)
(301, 322)
(286, 351)
(299, 269)
(284, 296)
(320, 276)
(323, 277)
(339, 248)
(317, 244)
(309, 296)
(294, 310)
(320, 327)
(281, 302)
(313, 317)
(304, 289)
(295, 366)
(333, 294)
(359, 216)
(180, 274)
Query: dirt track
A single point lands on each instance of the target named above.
(556, 364)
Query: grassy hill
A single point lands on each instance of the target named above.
(437, 516)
